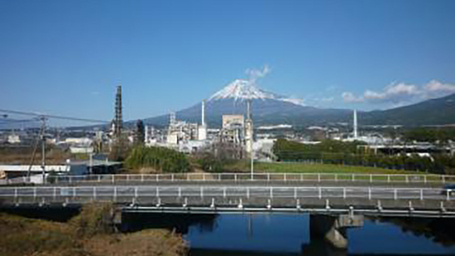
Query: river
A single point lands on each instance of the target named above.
(289, 234)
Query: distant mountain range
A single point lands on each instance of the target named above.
(440, 111)
(270, 108)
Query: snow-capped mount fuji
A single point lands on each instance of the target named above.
(240, 90)
(267, 108)
(270, 109)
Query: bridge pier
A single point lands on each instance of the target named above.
(333, 228)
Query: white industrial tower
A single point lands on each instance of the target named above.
(202, 131)
(172, 118)
(249, 129)
(355, 124)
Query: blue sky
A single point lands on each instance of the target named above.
(67, 57)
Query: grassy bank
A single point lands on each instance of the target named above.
(89, 233)
(294, 167)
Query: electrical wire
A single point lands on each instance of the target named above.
(52, 116)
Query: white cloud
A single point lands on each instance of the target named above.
(395, 92)
(351, 98)
(435, 89)
(399, 94)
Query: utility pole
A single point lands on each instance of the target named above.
(249, 135)
(252, 164)
(90, 164)
(43, 148)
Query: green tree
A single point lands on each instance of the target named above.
(120, 148)
(139, 135)
(163, 159)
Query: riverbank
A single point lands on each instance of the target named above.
(89, 233)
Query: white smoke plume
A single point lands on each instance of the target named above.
(255, 74)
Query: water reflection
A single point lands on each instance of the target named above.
(276, 234)
(181, 223)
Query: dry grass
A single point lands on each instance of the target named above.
(146, 242)
(89, 234)
(24, 155)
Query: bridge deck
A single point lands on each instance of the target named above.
(377, 200)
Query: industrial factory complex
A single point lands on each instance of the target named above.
(237, 131)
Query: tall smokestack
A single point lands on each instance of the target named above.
(203, 113)
(118, 112)
(249, 128)
(355, 124)
(172, 118)
(248, 109)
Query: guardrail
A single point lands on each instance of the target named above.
(285, 177)
(239, 177)
(114, 192)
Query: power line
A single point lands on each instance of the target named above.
(9, 120)
(53, 116)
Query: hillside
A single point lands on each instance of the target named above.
(271, 108)
(440, 111)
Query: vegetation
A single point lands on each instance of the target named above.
(214, 159)
(310, 167)
(209, 163)
(23, 155)
(159, 158)
(434, 135)
(120, 149)
(348, 153)
(94, 219)
(139, 134)
(89, 233)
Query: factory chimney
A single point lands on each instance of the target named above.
(203, 113)
(172, 118)
(248, 109)
(202, 129)
(118, 112)
(355, 124)
(249, 128)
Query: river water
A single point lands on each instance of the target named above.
(289, 234)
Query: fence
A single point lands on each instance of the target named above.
(265, 177)
(113, 192)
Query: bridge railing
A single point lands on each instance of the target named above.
(316, 192)
(265, 177)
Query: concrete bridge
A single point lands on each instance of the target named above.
(334, 204)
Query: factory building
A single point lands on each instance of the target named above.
(185, 134)
(233, 129)
(237, 130)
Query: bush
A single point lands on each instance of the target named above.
(164, 159)
(210, 163)
(94, 219)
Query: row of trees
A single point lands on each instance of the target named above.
(337, 152)
(439, 135)
(159, 158)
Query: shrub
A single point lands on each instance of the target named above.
(164, 159)
(94, 219)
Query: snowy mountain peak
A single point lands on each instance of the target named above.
(242, 89)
